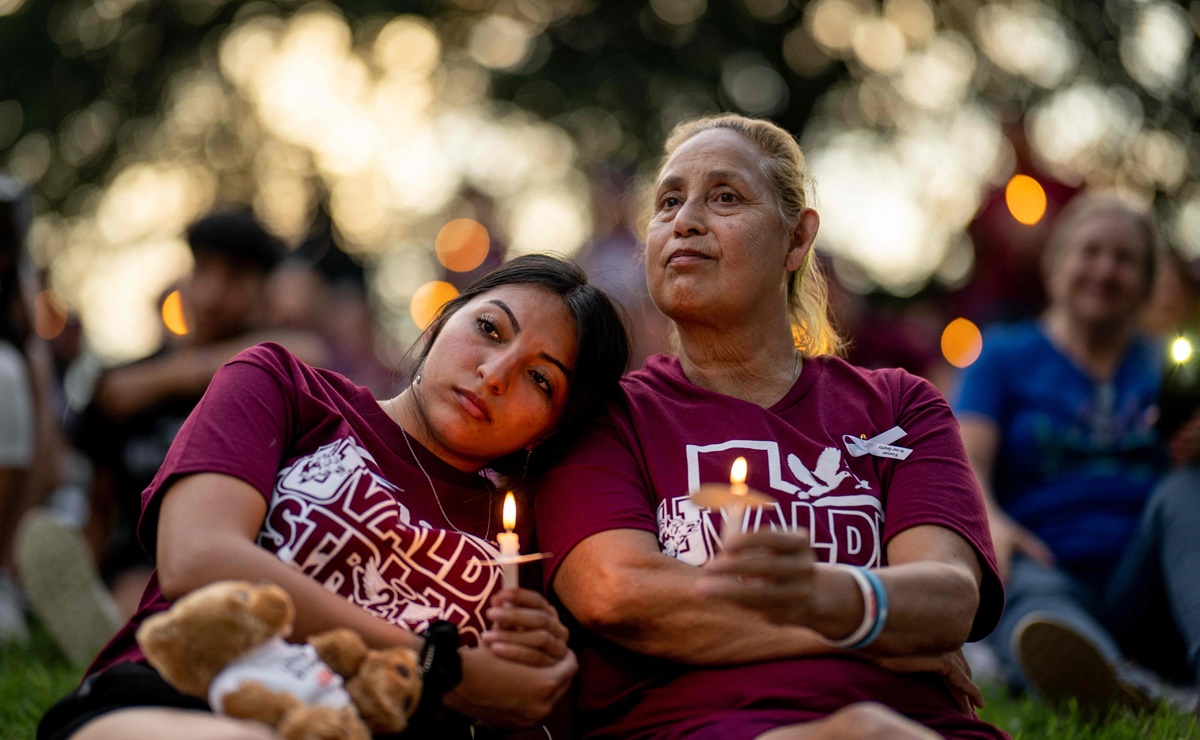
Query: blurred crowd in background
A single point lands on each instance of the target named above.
(189, 177)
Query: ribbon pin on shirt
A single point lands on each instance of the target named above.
(880, 445)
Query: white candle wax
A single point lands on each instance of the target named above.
(510, 547)
(732, 527)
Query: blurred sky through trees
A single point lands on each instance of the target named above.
(130, 118)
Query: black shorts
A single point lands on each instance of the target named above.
(128, 685)
(122, 686)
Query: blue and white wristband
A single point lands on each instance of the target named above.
(875, 609)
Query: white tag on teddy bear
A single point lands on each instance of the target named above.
(281, 666)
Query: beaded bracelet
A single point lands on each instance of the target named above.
(875, 609)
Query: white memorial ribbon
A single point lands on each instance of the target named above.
(880, 445)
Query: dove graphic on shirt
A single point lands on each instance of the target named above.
(674, 533)
(372, 587)
(822, 479)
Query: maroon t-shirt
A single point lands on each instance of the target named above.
(346, 504)
(667, 436)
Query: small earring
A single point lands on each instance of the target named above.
(417, 379)
(525, 469)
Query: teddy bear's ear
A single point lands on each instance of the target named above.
(153, 634)
(160, 638)
(273, 607)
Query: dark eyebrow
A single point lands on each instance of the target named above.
(517, 328)
(504, 307)
(556, 363)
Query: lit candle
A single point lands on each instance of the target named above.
(737, 503)
(1181, 350)
(731, 499)
(510, 543)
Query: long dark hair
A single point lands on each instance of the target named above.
(603, 354)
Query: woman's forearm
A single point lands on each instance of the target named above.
(933, 592)
(652, 604)
(620, 586)
(222, 546)
(931, 608)
(317, 609)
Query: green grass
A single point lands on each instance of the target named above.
(34, 676)
(1027, 719)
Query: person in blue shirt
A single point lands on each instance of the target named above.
(1057, 416)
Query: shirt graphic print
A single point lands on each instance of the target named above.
(825, 497)
(332, 516)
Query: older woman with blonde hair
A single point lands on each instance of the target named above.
(839, 607)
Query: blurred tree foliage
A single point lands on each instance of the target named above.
(116, 57)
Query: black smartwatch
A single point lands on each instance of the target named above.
(440, 662)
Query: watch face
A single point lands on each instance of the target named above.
(440, 659)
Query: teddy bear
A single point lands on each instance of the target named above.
(225, 643)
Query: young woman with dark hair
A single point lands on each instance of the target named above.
(371, 513)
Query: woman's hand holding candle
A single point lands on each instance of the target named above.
(525, 628)
(770, 572)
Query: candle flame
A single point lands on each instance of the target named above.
(510, 512)
(1181, 350)
(737, 474)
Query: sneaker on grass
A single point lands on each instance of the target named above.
(63, 586)
(1061, 664)
(12, 611)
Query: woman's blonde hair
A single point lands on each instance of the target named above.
(783, 165)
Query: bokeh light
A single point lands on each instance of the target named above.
(428, 299)
(1026, 199)
(753, 84)
(408, 43)
(1155, 50)
(501, 43)
(913, 113)
(381, 123)
(679, 12)
(961, 342)
(879, 44)
(1187, 226)
(832, 23)
(1028, 40)
(462, 245)
(172, 314)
